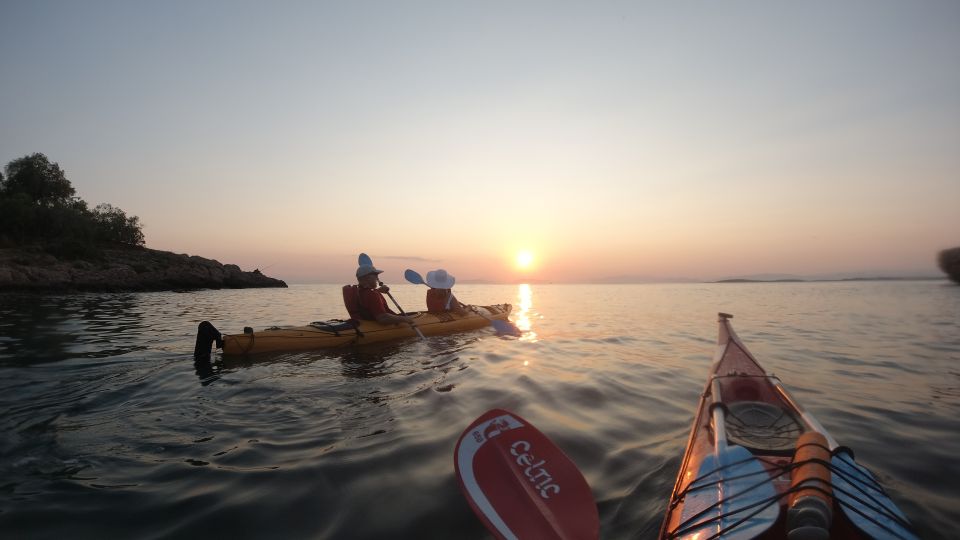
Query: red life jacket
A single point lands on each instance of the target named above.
(351, 299)
(439, 300)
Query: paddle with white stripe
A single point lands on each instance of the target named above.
(520, 484)
(501, 326)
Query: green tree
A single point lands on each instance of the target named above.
(37, 204)
(113, 225)
(42, 181)
(18, 217)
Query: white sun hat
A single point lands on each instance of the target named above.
(440, 279)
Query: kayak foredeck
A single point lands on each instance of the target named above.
(758, 465)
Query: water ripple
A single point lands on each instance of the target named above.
(111, 425)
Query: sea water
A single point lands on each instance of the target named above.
(110, 430)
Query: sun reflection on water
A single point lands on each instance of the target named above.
(524, 305)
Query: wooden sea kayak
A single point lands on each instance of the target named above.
(337, 334)
(758, 466)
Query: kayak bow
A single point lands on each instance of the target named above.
(758, 465)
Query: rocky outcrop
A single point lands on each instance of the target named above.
(949, 260)
(121, 268)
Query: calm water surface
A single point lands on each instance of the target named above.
(110, 430)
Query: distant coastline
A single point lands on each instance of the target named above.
(799, 280)
(639, 281)
(121, 268)
(52, 241)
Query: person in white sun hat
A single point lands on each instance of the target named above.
(439, 297)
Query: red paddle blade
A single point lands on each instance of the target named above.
(520, 484)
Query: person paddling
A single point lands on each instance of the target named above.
(440, 297)
(365, 301)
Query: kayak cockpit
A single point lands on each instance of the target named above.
(762, 427)
(754, 415)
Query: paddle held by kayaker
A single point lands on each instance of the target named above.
(365, 301)
(440, 297)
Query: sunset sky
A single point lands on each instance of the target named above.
(607, 139)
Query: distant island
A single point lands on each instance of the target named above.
(798, 280)
(51, 241)
(947, 259)
(744, 280)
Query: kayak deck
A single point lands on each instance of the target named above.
(740, 471)
(330, 335)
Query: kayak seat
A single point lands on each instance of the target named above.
(761, 426)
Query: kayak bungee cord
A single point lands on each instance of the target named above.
(877, 506)
(882, 510)
(763, 504)
(694, 487)
(766, 467)
(691, 523)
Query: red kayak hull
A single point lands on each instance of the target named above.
(746, 415)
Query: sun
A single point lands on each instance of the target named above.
(524, 259)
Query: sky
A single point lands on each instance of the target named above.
(607, 140)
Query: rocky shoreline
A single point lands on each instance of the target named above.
(122, 268)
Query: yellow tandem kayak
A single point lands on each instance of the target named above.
(330, 334)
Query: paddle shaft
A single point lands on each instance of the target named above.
(414, 326)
